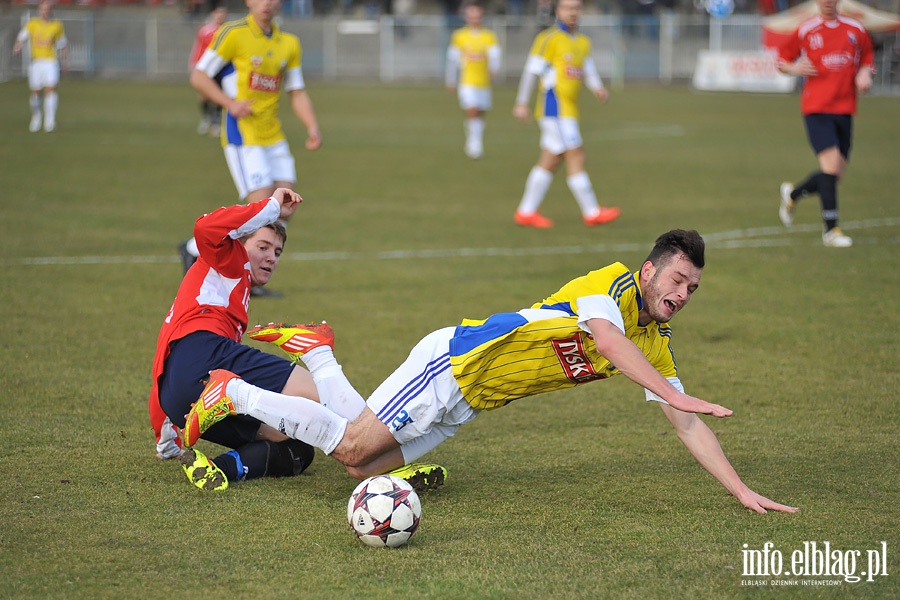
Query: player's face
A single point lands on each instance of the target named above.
(264, 11)
(474, 15)
(668, 288)
(264, 248)
(827, 8)
(569, 12)
(44, 10)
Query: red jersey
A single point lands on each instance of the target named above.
(201, 42)
(837, 49)
(215, 292)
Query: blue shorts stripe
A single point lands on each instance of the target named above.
(413, 388)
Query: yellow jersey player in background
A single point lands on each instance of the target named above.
(560, 59)
(611, 321)
(473, 59)
(46, 38)
(257, 61)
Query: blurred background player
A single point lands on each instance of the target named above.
(46, 38)
(834, 54)
(473, 59)
(210, 112)
(257, 60)
(560, 58)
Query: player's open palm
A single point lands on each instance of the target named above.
(762, 505)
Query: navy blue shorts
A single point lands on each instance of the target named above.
(826, 131)
(190, 360)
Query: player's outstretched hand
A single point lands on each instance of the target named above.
(289, 200)
(691, 404)
(602, 95)
(762, 505)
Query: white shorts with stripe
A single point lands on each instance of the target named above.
(420, 402)
(43, 73)
(474, 97)
(559, 134)
(256, 167)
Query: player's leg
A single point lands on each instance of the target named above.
(35, 85)
(51, 99)
(541, 176)
(830, 135)
(578, 180)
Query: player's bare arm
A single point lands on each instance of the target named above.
(802, 67)
(702, 443)
(632, 363)
(210, 90)
(303, 108)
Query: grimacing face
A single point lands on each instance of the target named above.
(264, 248)
(667, 288)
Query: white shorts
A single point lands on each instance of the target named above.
(474, 97)
(257, 167)
(420, 402)
(559, 134)
(43, 73)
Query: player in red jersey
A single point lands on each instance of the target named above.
(210, 112)
(834, 54)
(240, 247)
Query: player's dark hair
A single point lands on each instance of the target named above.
(675, 242)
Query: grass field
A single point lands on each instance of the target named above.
(582, 494)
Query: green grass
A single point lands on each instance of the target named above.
(581, 494)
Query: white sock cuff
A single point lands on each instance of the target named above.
(319, 358)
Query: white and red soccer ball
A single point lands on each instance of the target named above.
(384, 511)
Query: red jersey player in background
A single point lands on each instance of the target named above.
(210, 112)
(834, 54)
(240, 247)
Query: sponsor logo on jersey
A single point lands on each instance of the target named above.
(837, 61)
(574, 360)
(573, 72)
(475, 56)
(264, 83)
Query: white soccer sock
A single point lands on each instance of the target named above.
(536, 186)
(51, 100)
(300, 418)
(475, 131)
(192, 248)
(581, 187)
(335, 391)
(35, 102)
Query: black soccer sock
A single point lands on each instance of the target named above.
(289, 458)
(808, 186)
(828, 196)
(247, 462)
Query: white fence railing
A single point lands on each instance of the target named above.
(659, 48)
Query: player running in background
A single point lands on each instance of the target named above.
(834, 55)
(609, 322)
(47, 43)
(560, 58)
(473, 59)
(259, 62)
(210, 112)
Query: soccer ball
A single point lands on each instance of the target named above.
(384, 511)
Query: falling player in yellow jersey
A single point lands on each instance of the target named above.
(257, 60)
(473, 59)
(47, 43)
(560, 59)
(609, 322)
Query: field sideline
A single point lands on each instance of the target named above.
(585, 493)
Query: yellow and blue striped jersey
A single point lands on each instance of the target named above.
(255, 68)
(44, 37)
(473, 45)
(513, 355)
(563, 54)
